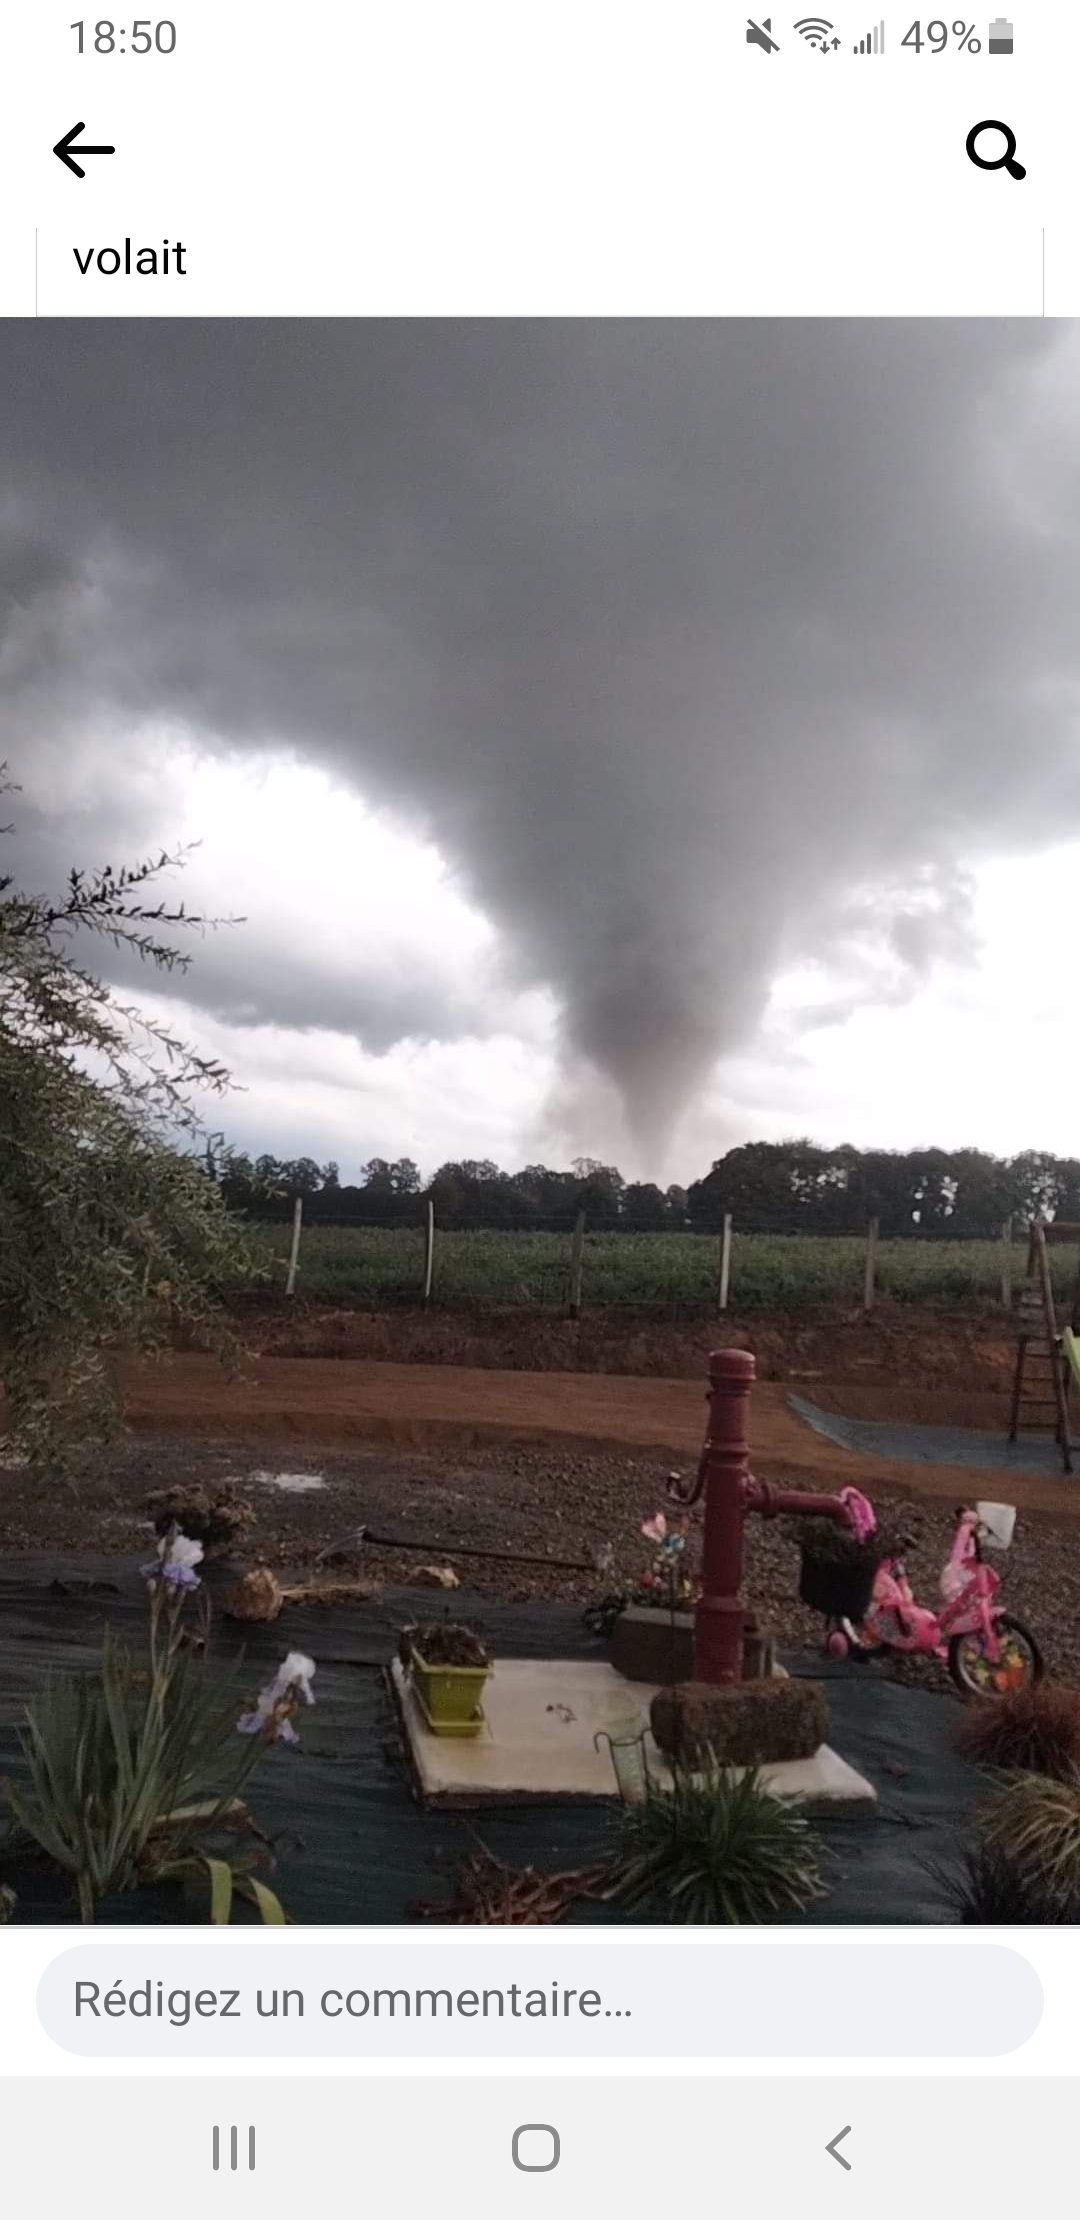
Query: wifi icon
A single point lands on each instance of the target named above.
(817, 33)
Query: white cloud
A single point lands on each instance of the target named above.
(985, 1056)
(986, 1052)
(319, 1094)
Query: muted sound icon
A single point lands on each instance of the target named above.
(760, 34)
(874, 42)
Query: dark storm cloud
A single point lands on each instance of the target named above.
(675, 638)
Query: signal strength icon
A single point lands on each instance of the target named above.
(874, 42)
(815, 30)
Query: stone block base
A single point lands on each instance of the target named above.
(647, 1645)
(754, 1722)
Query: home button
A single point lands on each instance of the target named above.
(536, 2148)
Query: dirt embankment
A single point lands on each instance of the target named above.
(318, 1403)
(894, 1352)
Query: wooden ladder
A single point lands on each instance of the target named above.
(1040, 1358)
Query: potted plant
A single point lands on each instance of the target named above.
(651, 1625)
(652, 1633)
(837, 1568)
(448, 1666)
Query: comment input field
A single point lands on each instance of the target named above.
(429, 2001)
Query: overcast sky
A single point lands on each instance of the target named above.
(620, 739)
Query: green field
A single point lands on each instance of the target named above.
(662, 1272)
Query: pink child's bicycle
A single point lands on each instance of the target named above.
(987, 1651)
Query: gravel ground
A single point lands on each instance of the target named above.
(544, 1502)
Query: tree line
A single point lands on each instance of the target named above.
(766, 1186)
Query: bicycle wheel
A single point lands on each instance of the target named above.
(1019, 1660)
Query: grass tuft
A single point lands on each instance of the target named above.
(716, 1850)
(1035, 1824)
(988, 1889)
(1034, 1729)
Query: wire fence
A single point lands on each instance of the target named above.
(674, 1274)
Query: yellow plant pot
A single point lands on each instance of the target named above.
(449, 1695)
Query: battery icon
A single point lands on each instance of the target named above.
(1001, 36)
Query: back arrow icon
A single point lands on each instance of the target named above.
(63, 148)
(834, 2153)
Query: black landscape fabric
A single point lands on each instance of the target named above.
(352, 1845)
(972, 1447)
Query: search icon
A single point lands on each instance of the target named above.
(1006, 161)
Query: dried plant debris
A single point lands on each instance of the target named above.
(258, 1597)
(490, 1894)
(215, 1515)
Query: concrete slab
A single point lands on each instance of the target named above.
(540, 1717)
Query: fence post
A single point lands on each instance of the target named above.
(725, 1260)
(294, 1252)
(577, 1252)
(1006, 1263)
(869, 1288)
(429, 1252)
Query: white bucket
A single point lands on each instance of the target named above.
(997, 1521)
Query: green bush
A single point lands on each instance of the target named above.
(987, 1889)
(134, 1771)
(716, 1850)
(1033, 1729)
(110, 1230)
(1034, 1823)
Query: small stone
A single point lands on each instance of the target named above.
(752, 1722)
(437, 1576)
